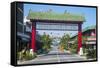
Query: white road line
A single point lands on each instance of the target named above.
(58, 56)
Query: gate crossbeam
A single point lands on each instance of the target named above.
(52, 17)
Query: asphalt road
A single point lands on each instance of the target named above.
(55, 55)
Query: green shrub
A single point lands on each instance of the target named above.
(91, 54)
(20, 55)
(29, 56)
(74, 48)
(74, 51)
(26, 56)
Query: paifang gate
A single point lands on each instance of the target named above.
(55, 21)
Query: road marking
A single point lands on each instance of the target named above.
(58, 56)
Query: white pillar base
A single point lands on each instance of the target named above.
(80, 52)
(31, 51)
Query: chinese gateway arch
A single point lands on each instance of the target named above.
(56, 21)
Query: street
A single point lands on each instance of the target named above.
(55, 55)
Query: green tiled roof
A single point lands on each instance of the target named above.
(89, 28)
(86, 29)
(55, 16)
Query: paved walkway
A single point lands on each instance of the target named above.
(55, 56)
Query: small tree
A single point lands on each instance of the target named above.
(47, 41)
(89, 52)
(74, 46)
(64, 41)
(84, 40)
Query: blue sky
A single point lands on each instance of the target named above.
(88, 12)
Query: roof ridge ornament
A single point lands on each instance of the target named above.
(50, 10)
(65, 11)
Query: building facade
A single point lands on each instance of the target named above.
(23, 34)
(89, 35)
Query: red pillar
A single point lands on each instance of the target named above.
(33, 37)
(79, 37)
